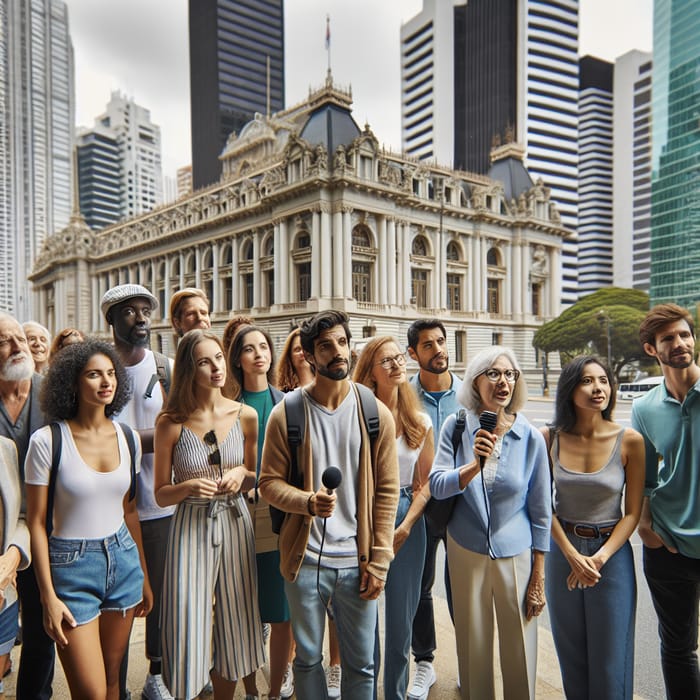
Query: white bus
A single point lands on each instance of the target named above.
(633, 390)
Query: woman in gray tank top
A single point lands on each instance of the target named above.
(590, 580)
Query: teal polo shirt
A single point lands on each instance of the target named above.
(671, 432)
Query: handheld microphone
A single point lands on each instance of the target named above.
(487, 421)
(331, 478)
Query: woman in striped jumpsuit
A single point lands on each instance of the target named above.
(205, 454)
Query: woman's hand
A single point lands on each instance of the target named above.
(56, 614)
(585, 571)
(534, 598)
(202, 488)
(8, 570)
(233, 480)
(146, 604)
(401, 534)
(484, 442)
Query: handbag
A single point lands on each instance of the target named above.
(439, 511)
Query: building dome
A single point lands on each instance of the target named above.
(331, 126)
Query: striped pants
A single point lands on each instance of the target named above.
(209, 612)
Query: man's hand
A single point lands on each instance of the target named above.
(322, 503)
(370, 586)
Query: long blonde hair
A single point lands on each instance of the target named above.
(409, 423)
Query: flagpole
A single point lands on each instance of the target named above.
(328, 40)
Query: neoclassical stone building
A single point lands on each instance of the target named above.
(311, 213)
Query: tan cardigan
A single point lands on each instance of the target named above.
(377, 492)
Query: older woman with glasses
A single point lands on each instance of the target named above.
(499, 530)
(205, 453)
(382, 367)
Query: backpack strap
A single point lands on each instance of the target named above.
(458, 431)
(131, 442)
(162, 375)
(296, 426)
(370, 412)
(56, 446)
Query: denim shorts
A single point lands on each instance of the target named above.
(9, 627)
(91, 576)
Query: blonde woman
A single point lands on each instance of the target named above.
(382, 367)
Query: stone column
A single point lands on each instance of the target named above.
(391, 261)
(339, 254)
(316, 254)
(347, 246)
(327, 264)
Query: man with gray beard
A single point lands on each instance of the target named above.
(20, 416)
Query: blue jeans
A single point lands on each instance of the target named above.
(356, 620)
(674, 583)
(402, 593)
(593, 628)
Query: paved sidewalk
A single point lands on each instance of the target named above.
(548, 678)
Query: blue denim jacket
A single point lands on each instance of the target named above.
(520, 499)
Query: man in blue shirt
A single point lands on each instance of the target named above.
(437, 389)
(668, 417)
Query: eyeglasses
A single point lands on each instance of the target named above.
(494, 375)
(398, 360)
(214, 456)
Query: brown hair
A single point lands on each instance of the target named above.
(659, 316)
(181, 402)
(287, 378)
(59, 341)
(409, 422)
(231, 327)
(234, 372)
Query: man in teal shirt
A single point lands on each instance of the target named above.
(668, 417)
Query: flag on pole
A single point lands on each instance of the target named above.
(328, 32)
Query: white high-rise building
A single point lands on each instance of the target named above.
(36, 123)
(120, 155)
(632, 170)
(514, 75)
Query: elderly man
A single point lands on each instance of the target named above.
(128, 309)
(39, 340)
(20, 416)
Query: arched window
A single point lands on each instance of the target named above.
(269, 247)
(303, 241)
(453, 252)
(419, 246)
(493, 257)
(247, 251)
(361, 237)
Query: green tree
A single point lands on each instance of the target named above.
(583, 328)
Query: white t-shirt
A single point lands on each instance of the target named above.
(407, 456)
(140, 414)
(87, 504)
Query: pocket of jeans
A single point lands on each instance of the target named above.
(63, 558)
(127, 543)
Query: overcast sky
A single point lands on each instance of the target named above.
(141, 48)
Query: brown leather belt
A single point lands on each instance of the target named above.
(588, 532)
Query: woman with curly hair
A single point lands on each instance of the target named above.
(90, 567)
(591, 584)
(382, 367)
(292, 369)
(251, 363)
(205, 450)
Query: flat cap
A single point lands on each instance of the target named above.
(122, 292)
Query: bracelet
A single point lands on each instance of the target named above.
(308, 505)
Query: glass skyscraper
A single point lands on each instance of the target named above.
(36, 123)
(236, 70)
(675, 208)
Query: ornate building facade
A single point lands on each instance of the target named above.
(311, 213)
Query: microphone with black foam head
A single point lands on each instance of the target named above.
(487, 421)
(331, 478)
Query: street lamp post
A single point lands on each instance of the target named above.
(604, 317)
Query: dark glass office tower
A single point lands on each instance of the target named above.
(232, 42)
(675, 186)
(486, 69)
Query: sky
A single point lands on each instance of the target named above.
(141, 48)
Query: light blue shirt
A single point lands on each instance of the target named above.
(671, 431)
(520, 497)
(438, 410)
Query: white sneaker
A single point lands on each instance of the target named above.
(266, 632)
(154, 689)
(287, 689)
(333, 675)
(423, 679)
